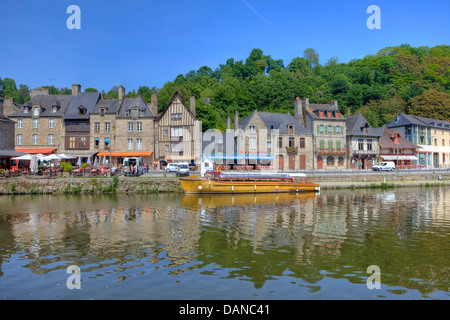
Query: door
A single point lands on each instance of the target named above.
(279, 163)
(319, 163)
(302, 162)
(291, 161)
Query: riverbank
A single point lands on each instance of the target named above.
(155, 184)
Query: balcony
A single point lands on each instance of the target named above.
(335, 151)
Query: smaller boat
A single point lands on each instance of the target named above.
(248, 182)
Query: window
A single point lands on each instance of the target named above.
(139, 144)
(291, 142)
(322, 144)
(102, 112)
(269, 144)
(338, 144)
(338, 129)
(280, 142)
(36, 111)
(54, 109)
(96, 126)
(19, 123)
(330, 144)
(330, 129)
(340, 161)
(139, 126)
(291, 129)
(176, 131)
(330, 161)
(26, 109)
(107, 126)
(443, 142)
(321, 128)
(127, 113)
(51, 123)
(51, 139)
(130, 144)
(71, 142)
(177, 147)
(302, 143)
(35, 123)
(369, 144)
(107, 143)
(96, 142)
(34, 139)
(19, 139)
(130, 126)
(252, 143)
(134, 112)
(81, 111)
(252, 129)
(165, 133)
(82, 143)
(166, 147)
(360, 144)
(175, 116)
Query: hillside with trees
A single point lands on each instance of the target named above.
(401, 79)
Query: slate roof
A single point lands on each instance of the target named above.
(386, 141)
(278, 121)
(355, 125)
(86, 99)
(130, 103)
(46, 102)
(111, 106)
(405, 120)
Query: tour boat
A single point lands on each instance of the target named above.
(247, 182)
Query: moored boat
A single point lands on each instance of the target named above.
(248, 182)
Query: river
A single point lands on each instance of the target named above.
(171, 246)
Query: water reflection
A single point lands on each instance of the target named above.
(305, 239)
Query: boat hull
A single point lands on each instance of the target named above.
(199, 186)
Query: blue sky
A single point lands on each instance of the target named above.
(150, 42)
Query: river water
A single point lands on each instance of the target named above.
(170, 246)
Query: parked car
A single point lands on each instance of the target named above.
(384, 166)
(183, 169)
(172, 167)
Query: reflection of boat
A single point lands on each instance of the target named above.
(196, 201)
(248, 182)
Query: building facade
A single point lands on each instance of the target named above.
(276, 140)
(178, 133)
(394, 147)
(362, 142)
(433, 136)
(328, 126)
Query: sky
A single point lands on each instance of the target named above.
(150, 42)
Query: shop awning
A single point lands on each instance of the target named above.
(125, 154)
(11, 153)
(80, 153)
(36, 151)
(399, 157)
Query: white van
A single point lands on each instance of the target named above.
(183, 169)
(384, 166)
(136, 162)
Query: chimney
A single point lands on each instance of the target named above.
(192, 105)
(228, 123)
(299, 110)
(8, 107)
(155, 104)
(76, 89)
(236, 120)
(334, 104)
(39, 91)
(121, 92)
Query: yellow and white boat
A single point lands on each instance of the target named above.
(248, 182)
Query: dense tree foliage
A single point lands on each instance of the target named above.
(395, 79)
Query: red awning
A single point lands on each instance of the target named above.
(38, 150)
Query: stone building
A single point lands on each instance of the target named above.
(276, 140)
(433, 136)
(7, 136)
(123, 128)
(39, 124)
(362, 142)
(328, 126)
(178, 133)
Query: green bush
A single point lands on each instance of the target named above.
(67, 167)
